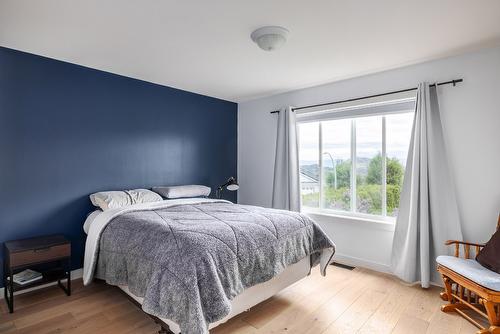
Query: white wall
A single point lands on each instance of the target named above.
(471, 122)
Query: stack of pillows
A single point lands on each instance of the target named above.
(106, 200)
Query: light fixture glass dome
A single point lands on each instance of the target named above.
(270, 38)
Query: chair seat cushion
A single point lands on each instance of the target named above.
(472, 270)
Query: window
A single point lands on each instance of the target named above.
(352, 160)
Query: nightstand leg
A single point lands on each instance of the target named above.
(67, 288)
(69, 279)
(11, 292)
(6, 294)
(5, 281)
(6, 290)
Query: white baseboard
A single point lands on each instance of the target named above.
(75, 274)
(357, 262)
(376, 266)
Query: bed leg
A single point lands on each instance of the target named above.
(164, 330)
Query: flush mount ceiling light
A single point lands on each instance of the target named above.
(270, 38)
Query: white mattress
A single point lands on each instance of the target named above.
(251, 296)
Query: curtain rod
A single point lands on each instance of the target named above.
(451, 82)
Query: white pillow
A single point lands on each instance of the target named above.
(117, 199)
(183, 191)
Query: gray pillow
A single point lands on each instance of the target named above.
(192, 190)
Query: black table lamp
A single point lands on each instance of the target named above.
(230, 185)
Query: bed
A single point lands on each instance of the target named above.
(194, 263)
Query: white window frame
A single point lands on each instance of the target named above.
(354, 111)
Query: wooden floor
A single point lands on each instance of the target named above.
(357, 301)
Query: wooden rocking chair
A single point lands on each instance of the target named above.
(465, 287)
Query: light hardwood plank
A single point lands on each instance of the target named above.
(441, 322)
(338, 304)
(6, 326)
(300, 310)
(92, 324)
(424, 304)
(235, 325)
(60, 323)
(362, 309)
(408, 324)
(387, 315)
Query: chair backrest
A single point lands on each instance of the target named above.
(498, 224)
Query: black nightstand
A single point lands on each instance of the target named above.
(50, 255)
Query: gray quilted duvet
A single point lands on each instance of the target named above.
(188, 261)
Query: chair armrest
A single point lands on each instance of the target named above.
(467, 247)
(452, 242)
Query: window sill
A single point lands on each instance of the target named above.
(326, 217)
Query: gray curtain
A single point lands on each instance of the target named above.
(286, 186)
(428, 213)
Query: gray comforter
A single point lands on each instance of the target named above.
(189, 261)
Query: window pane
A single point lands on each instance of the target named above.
(337, 164)
(398, 134)
(309, 163)
(369, 165)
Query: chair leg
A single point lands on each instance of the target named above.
(494, 329)
(492, 315)
(483, 331)
(446, 294)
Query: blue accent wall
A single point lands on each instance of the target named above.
(67, 131)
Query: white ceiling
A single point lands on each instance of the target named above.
(204, 46)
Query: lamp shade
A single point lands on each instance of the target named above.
(232, 185)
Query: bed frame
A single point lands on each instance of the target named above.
(247, 299)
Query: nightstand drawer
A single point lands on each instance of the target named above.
(39, 255)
